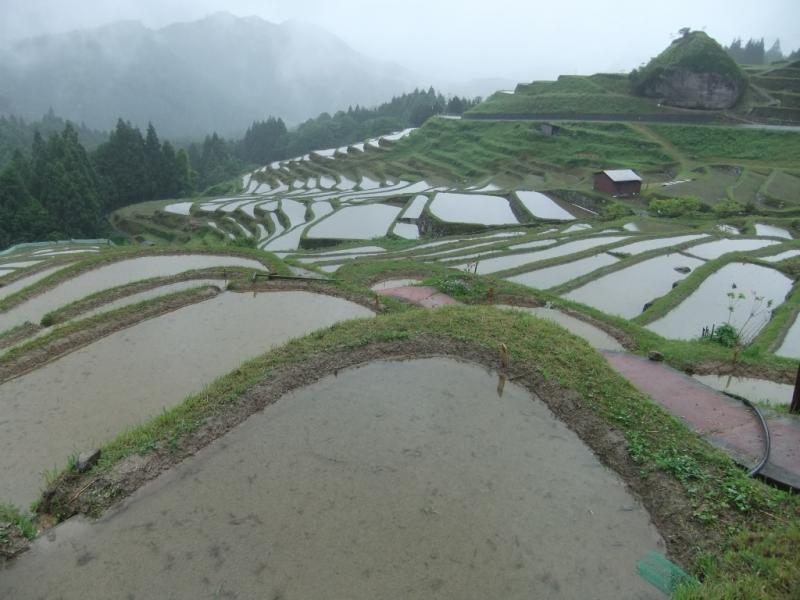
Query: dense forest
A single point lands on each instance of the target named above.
(58, 181)
(59, 190)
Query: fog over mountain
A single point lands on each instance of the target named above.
(220, 72)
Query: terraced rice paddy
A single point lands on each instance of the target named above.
(472, 208)
(543, 207)
(625, 292)
(356, 223)
(552, 276)
(709, 304)
(772, 231)
(87, 397)
(112, 275)
(716, 249)
(511, 261)
(372, 471)
(755, 390)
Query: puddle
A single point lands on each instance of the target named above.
(415, 208)
(115, 274)
(596, 337)
(543, 207)
(647, 245)
(406, 231)
(772, 231)
(90, 395)
(396, 479)
(755, 390)
(472, 208)
(552, 276)
(356, 223)
(625, 292)
(502, 263)
(708, 304)
(716, 249)
(394, 283)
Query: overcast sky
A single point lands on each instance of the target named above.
(457, 39)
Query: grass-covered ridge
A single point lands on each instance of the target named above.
(695, 51)
(723, 506)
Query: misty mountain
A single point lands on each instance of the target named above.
(219, 73)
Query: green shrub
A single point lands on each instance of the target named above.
(675, 207)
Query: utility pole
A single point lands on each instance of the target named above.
(795, 405)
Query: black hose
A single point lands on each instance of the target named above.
(767, 438)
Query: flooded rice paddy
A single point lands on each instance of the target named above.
(112, 275)
(502, 263)
(647, 245)
(21, 284)
(625, 292)
(87, 397)
(366, 480)
(594, 336)
(708, 304)
(356, 223)
(543, 207)
(772, 231)
(716, 249)
(790, 346)
(552, 276)
(755, 390)
(472, 208)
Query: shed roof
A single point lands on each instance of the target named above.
(620, 175)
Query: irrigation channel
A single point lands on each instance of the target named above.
(411, 479)
(88, 396)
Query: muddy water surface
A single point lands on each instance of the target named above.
(708, 304)
(87, 397)
(112, 275)
(625, 292)
(393, 480)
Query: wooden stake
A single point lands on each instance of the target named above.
(505, 359)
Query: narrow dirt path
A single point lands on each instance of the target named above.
(668, 146)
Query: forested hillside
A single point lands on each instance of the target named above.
(59, 183)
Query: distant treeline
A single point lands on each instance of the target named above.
(17, 134)
(216, 159)
(59, 190)
(58, 180)
(753, 52)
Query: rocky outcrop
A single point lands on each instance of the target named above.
(687, 89)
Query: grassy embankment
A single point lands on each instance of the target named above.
(755, 525)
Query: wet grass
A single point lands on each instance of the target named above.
(733, 145)
(723, 502)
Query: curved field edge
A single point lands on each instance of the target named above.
(694, 493)
(270, 261)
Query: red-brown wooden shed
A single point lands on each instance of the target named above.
(621, 182)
